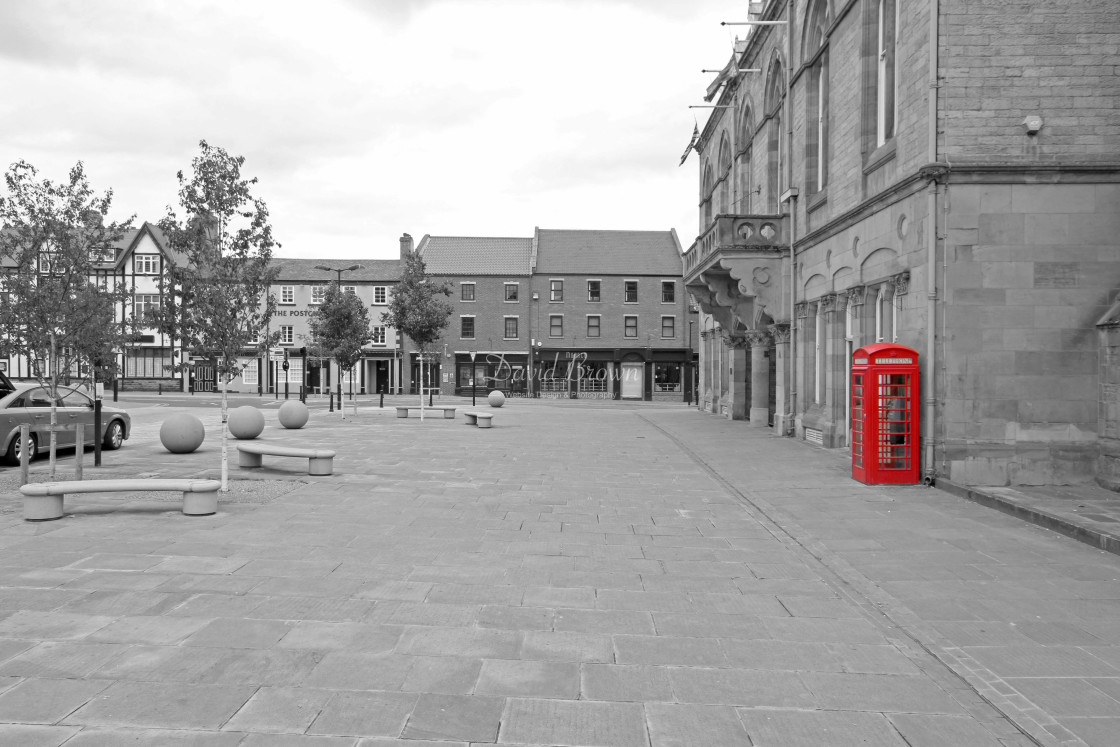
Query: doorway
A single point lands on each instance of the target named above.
(632, 380)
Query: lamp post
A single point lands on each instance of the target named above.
(473, 384)
(688, 366)
(338, 271)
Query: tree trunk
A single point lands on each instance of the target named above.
(52, 390)
(420, 371)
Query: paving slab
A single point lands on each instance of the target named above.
(608, 574)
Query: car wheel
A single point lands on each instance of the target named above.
(114, 436)
(14, 448)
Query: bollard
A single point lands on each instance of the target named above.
(161, 390)
(331, 396)
(382, 405)
(79, 450)
(115, 383)
(24, 460)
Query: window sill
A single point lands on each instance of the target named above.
(879, 156)
(816, 200)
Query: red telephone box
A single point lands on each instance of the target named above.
(885, 414)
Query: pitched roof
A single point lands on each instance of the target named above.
(470, 255)
(608, 252)
(304, 270)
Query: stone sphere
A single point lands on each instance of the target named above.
(182, 433)
(245, 422)
(496, 398)
(294, 414)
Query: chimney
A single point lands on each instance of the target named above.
(406, 246)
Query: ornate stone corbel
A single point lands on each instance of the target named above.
(841, 301)
(901, 283)
(802, 310)
(826, 303)
(758, 339)
(856, 295)
(780, 331)
(736, 341)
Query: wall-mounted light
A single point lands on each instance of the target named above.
(1032, 124)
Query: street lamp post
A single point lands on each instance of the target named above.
(473, 383)
(688, 367)
(338, 271)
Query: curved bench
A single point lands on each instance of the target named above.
(319, 461)
(481, 419)
(448, 412)
(42, 501)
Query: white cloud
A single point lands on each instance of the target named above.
(367, 119)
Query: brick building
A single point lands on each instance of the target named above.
(944, 175)
(489, 279)
(564, 314)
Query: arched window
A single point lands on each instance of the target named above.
(886, 29)
(746, 135)
(775, 90)
(815, 55)
(724, 204)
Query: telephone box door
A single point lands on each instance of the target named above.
(885, 407)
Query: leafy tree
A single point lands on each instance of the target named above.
(219, 300)
(339, 327)
(53, 309)
(417, 310)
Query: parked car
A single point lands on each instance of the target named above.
(31, 404)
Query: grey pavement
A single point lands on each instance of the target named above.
(580, 574)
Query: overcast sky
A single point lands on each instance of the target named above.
(364, 119)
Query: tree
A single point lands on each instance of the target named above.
(339, 327)
(54, 311)
(219, 300)
(417, 310)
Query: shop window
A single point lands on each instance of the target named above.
(249, 372)
(630, 326)
(594, 323)
(667, 377)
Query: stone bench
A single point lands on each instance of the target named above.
(42, 501)
(481, 419)
(448, 412)
(319, 461)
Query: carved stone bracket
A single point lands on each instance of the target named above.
(781, 333)
(841, 301)
(856, 295)
(737, 342)
(901, 283)
(826, 303)
(802, 310)
(758, 339)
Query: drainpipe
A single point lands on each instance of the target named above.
(929, 475)
(790, 430)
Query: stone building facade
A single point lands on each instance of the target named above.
(945, 175)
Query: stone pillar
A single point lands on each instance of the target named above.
(703, 384)
(832, 400)
(800, 394)
(783, 417)
(1108, 429)
(760, 379)
(737, 404)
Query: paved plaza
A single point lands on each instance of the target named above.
(614, 575)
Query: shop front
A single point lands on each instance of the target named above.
(507, 372)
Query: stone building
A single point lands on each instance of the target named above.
(943, 174)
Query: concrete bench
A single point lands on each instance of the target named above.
(42, 501)
(481, 419)
(319, 461)
(448, 412)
